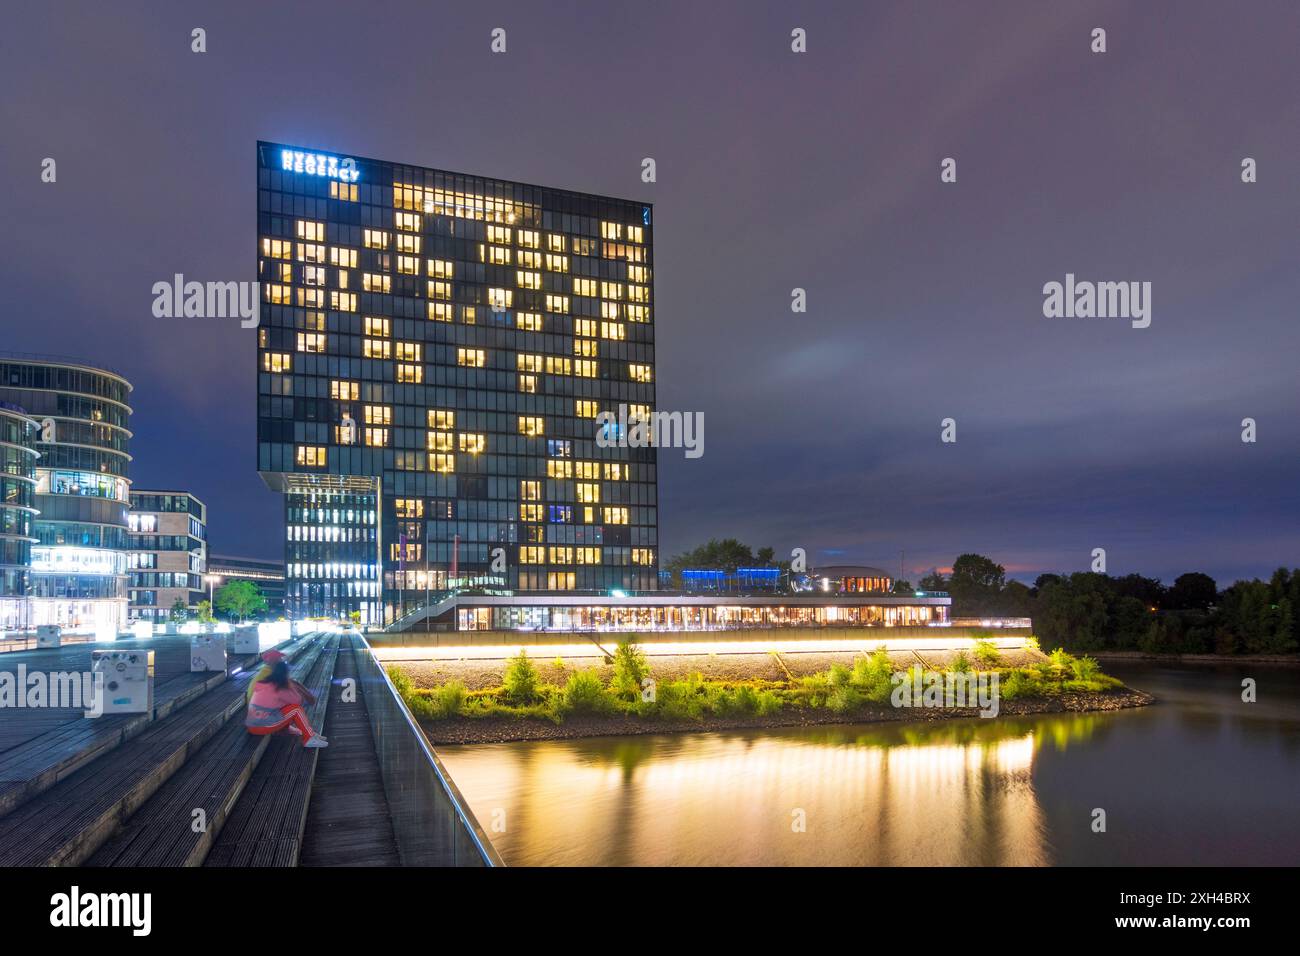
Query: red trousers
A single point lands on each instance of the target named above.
(294, 716)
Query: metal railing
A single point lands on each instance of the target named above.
(432, 822)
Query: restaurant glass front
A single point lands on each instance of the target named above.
(693, 617)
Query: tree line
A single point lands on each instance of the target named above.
(1089, 611)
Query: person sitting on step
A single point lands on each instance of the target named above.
(277, 704)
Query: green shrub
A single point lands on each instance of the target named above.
(769, 702)
(1085, 668)
(874, 676)
(584, 693)
(401, 682)
(986, 653)
(1017, 684)
(960, 663)
(843, 699)
(630, 669)
(745, 699)
(448, 698)
(839, 675)
(681, 699)
(521, 679)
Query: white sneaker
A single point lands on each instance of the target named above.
(317, 741)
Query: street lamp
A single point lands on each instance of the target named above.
(212, 580)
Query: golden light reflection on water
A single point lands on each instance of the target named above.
(954, 794)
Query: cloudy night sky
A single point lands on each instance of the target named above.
(775, 170)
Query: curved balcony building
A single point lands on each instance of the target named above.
(18, 458)
(82, 489)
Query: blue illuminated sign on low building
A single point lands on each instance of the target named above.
(319, 164)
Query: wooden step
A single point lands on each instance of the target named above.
(162, 831)
(68, 822)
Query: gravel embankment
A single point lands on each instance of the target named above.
(479, 675)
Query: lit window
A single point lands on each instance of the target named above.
(311, 342)
(410, 352)
(408, 507)
(379, 414)
(471, 358)
(588, 493)
(586, 368)
(311, 231)
(440, 311)
(472, 444)
(530, 491)
(528, 280)
(407, 221)
(530, 512)
(585, 409)
(410, 374)
(344, 391)
(438, 418)
(376, 283)
(346, 258)
(615, 516)
(500, 299)
(377, 437)
(531, 425)
(639, 373)
(408, 265)
(311, 456)
(562, 468)
(528, 321)
(528, 384)
(378, 326)
(529, 238)
(445, 464)
(557, 303)
(440, 441)
(613, 330)
(276, 362)
(276, 248)
(376, 348)
(345, 191)
(375, 239)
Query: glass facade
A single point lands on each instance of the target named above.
(454, 339)
(17, 514)
(81, 489)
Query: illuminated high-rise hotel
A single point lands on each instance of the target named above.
(433, 354)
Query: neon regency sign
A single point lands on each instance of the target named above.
(318, 164)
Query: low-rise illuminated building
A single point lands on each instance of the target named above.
(851, 579)
(168, 555)
(663, 611)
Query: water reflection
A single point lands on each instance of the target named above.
(973, 792)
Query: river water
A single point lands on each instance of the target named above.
(1201, 777)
